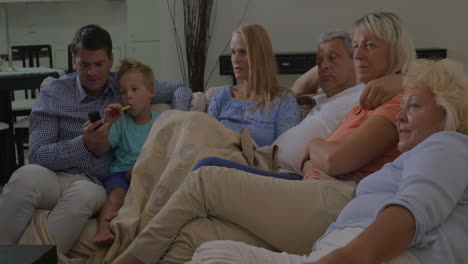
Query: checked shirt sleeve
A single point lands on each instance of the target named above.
(176, 94)
(46, 149)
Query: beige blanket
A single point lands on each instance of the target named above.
(176, 142)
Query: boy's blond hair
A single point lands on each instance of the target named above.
(132, 65)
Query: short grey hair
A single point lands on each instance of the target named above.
(344, 36)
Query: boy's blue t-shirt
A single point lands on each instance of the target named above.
(126, 138)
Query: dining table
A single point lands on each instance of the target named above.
(11, 80)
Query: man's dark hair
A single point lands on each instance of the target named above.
(91, 37)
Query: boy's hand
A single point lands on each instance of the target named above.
(112, 113)
(128, 175)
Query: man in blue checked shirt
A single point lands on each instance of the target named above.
(67, 152)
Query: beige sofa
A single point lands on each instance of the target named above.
(199, 102)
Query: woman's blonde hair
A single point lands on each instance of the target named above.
(131, 65)
(449, 85)
(390, 28)
(262, 79)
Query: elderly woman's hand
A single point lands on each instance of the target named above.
(309, 172)
(381, 90)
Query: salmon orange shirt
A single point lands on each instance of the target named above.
(353, 120)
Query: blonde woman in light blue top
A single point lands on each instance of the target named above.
(257, 102)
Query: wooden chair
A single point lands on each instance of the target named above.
(21, 126)
(5, 170)
(31, 54)
(21, 138)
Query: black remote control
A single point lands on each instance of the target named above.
(93, 117)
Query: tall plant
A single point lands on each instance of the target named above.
(197, 36)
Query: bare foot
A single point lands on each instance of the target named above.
(127, 258)
(104, 237)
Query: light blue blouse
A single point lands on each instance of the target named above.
(264, 128)
(431, 181)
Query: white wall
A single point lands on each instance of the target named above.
(54, 23)
(294, 25)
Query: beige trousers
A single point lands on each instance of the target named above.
(202, 230)
(72, 199)
(288, 215)
(232, 252)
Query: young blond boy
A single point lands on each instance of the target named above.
(126, 137)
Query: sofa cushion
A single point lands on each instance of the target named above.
(160, 107)
(198, 102)
(210, 92)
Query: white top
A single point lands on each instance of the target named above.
(320, 122)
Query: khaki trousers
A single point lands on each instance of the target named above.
(288, 215)
(240, 253)
(72, 199)
(202, 230)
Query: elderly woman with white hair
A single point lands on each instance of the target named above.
(414, 209)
